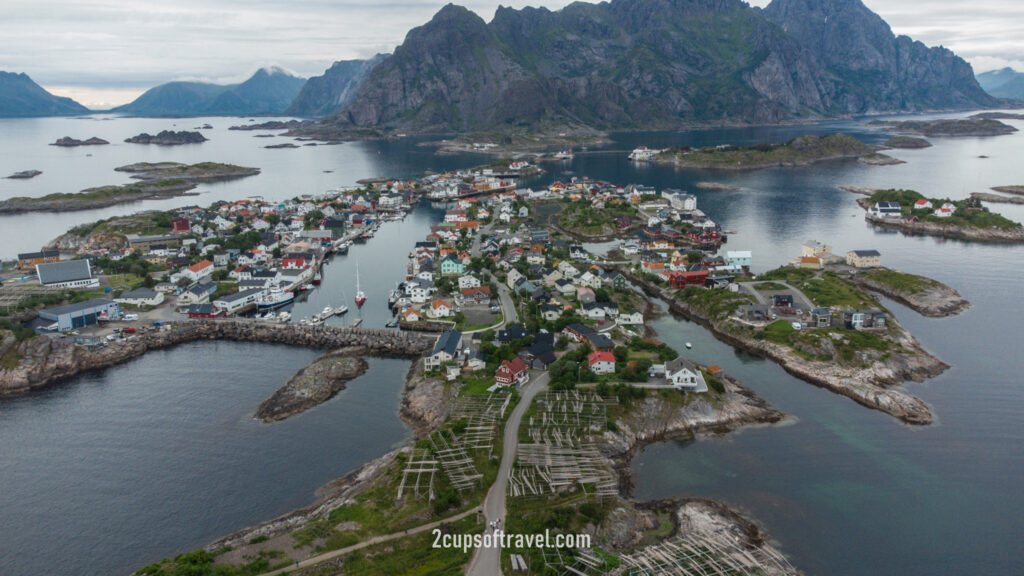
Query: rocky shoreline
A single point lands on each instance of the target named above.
(993, 235)
(873, 386)
(44, 361)
(653, 420)
(934, 301)
(111, 196)
(997, 198)
(314, 384)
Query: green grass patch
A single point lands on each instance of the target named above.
(901, 281)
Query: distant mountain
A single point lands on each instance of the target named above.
(628, 64)
(1005, 83)
(268, 91)
(20, 97)
(335, 89)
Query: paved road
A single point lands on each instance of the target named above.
(507, 306)
(487, 561)
(375, 540)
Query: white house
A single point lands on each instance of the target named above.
(140, 297)
(633, 318)
(198, 271)
(514, 276)
(682, 373)
(439, 309)
(468, 281)
(601, 362)
(922, 204)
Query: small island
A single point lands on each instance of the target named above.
(160, 180)
(802, 151)
(278, 146)
(879, 159)
(271, 125)
(912, 212)
(907, 142)
(999, 116)
(69, 142)
(973, 126)
(24, 175)
(168, 138)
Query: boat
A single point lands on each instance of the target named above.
(340, 310)
(564, 155)
(274, 299)
(642, 154)
(284, 316)
(343, 248)
(327, 312)
(688, 345)
(393, 323)
(360, 295)
(316, 279)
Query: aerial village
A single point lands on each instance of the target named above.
(512, 290)
(504, 278)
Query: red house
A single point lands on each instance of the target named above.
(180, 226)
(512, 372)
(689, 278)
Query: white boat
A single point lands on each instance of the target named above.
(284, 316)
(642, 154)
(360, 295)
(327, 312)
(274, 299)
(341, 310)
(688, 345)
(565, 155)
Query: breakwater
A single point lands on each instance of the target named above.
(43, 360)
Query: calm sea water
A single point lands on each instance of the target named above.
(158, 456)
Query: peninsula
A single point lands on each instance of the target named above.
(168, 138)
(973, 126)
(158, 180)
(911, 212)
(802, 151)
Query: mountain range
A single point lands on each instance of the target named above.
(628, 64)
(20, 97)
(268, 91)
(1005, 83)
(335, 89)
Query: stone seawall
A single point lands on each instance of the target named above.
(47, 360)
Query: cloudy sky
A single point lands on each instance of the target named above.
(106, 52)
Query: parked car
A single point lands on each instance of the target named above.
(129, 330)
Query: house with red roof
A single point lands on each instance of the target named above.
(512, 372)
(198, 271)
(601, 362)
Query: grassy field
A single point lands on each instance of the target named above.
(824, 289)
(901, 281)
(715, 303)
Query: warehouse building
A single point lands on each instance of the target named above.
(70, 274)
(72, 316)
